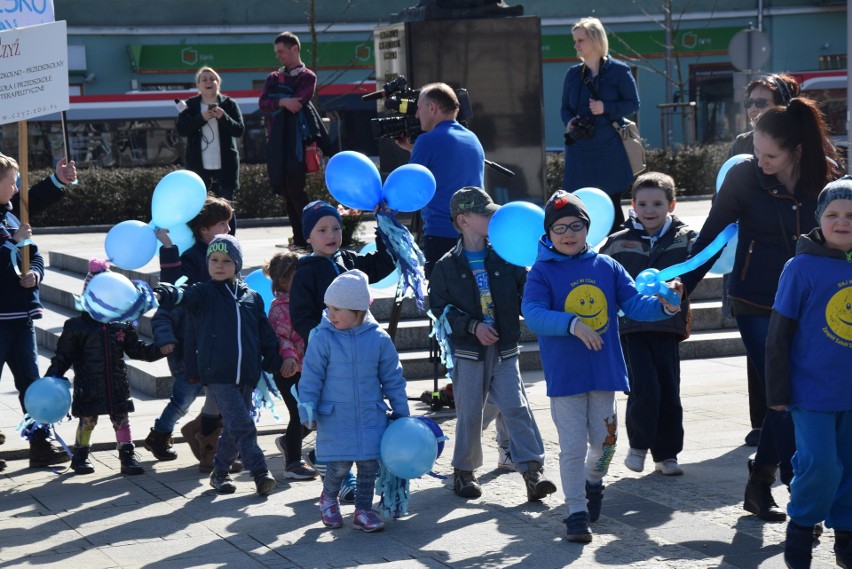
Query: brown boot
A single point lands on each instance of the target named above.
(189, 431)
(44, 453)
(207, 446)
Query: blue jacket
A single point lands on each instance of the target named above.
(345, 375)
(599, 161)
(593, 288)
(235, 340)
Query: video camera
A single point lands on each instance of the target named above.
(402, 101)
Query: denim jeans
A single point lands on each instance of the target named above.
(368, 471)
(777, 435)
(19, 352)
(183, 395)
(239, 434)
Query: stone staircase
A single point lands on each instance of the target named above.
(712, 334)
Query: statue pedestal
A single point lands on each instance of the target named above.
(498, 61)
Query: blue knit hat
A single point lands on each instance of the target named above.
(837, 190)
(315, 211)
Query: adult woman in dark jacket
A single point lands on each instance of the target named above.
(773, 196)
(212, 123)
(595, 94)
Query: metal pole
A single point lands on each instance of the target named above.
(667, 124)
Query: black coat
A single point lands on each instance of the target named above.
(96, 352)
(191, 124)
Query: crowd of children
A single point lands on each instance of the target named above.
(335, 366)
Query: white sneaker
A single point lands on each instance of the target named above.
(635, 459)
(669, 467)
(504, 460)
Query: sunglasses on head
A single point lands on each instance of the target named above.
(561, 228)
(757, 103)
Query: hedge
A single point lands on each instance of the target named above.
(105, 196)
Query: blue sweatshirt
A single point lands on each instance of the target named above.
(593, 288)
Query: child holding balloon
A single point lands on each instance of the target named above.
(653, 238)
(571, 301)
(172, 333)
(235, 342)
(808, 349)
(96, 349)
(280, 269)
(350, 366)
(476, 294)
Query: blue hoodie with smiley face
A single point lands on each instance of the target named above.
(593, 288)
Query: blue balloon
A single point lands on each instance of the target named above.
(725, 263)
(354, 180)
(111, 297)
(408, 448)
(178, 197)
(729, 163)
(409, 188)
(436, 430)
(262, 285)
(601, 213)
(390, 280)
(130, 244)
(182, 237)
(48, 399)
(694, 262)
(514, 232)
(648, 282)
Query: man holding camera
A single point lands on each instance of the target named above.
(454, 156)
(285, 92)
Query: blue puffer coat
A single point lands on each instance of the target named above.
(345, 375)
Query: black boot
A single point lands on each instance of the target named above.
(160, 445)
(537, 485)
(130, 464)
(44, 453)
(758, 493)
(843, 548)
(797, 547)
(80, 462)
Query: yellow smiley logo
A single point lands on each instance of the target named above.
(838, 313)
(589, 304)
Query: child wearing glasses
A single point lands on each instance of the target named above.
(653, 238)
(571, 300)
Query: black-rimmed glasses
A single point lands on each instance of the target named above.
(757, 103)
(561, 228)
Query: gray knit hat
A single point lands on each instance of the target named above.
(225, 243)
(837, 190)
(349, 290)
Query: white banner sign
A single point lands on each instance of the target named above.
(20, 13)
(33, 72)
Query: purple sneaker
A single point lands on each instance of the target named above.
(330, 511)
(368, 520)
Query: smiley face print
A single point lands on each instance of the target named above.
(589, 304)
(838, 313)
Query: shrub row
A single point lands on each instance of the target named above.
(105, 196)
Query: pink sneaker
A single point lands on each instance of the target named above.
(330, 511)
(368, 520)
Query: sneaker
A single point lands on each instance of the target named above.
(669, 467)
(538, 486)
(280, 445)
(504, 460)
(347, 489)
(330, 512)
(578, 528)
(465, 484)
(368, 521)
(221, 482)
(752, 438)
(300, 471)
(264, 482)
(635, 459)
(594, 498)
(316, 465)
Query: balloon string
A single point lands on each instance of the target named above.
(701, 257)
